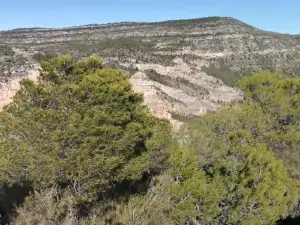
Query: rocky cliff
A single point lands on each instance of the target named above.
(184, 68)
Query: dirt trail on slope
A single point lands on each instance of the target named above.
(9, 89)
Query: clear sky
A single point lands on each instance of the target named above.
(275, 15)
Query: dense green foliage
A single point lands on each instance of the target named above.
(228, 176)
(229, 78)
(91, 153)
(81, 129)
(226, 170)
(278, 123)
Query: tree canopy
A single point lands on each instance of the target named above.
(80, 128)
(236, 165)
(90, 152)
(230, 177)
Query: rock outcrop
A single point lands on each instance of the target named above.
(184, 68)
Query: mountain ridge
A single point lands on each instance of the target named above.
(166, 61)
(169, 21)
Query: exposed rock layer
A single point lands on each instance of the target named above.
(184, 68)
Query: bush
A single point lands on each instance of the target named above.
(43, 208)
(232, 179)
(278, 98)
(236, 166)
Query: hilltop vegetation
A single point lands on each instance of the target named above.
(84, 150)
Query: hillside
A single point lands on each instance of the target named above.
(183, 67)
(79, 147)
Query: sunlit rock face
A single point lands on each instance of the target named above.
(185, 68)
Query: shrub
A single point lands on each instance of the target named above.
(229, 179)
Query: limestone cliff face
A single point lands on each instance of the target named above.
(9, 88)
(180, 91)
(184, 67)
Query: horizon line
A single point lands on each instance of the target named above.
(139, 22)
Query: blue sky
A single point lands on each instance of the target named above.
(275, 15)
